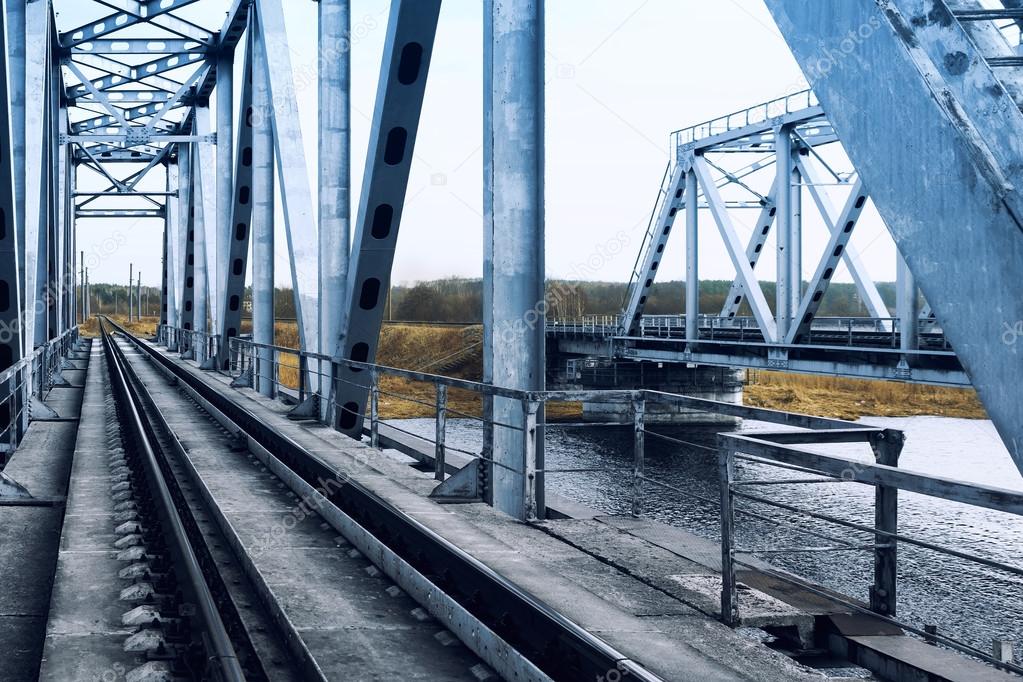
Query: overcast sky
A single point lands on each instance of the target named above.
(621, 75)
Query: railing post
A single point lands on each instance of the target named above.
(257, 374)
(442, 423)
(374, 408)
(302, 364)
(638, 455)
(487, 451)
(729, 593)
(530, 408)
(883, 593)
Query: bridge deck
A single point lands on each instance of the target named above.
(29, 535)
(658, 630)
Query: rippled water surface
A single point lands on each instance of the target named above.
(965, 600)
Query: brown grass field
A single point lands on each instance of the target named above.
(428, 349)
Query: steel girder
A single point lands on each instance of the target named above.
(11, 350)
(411, 29)
(262, 230)
(960, 232)
(334, 176)
(241, 216)
(206, 258)
(36, 172)
(513, 234)
(296, 196)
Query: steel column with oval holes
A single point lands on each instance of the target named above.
(411, 28)
(241, 213)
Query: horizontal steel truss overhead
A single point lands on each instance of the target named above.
(785, 137)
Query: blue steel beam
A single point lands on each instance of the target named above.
(10, 260)
(952, 204)
(411, 28)
(233, 287)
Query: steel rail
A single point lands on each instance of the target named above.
(556, 645)
(222, 653)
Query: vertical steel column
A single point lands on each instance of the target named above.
(487, 451)
(171, 227)
(37, 139)
(907, 304)
(795, 242)
(14, 17)
(514, 170)
(783, 300)
(184, 248)
(411, 29)
(262, 226)
(883, 593)
(83, 316)
(289, 151)
(164, 298)
(692, 258)
(334, 178)
(62, 281)
(204, 212)
(225, 181)
(241, 213)
(10, 262)
(188, 276)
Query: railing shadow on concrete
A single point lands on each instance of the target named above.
(280, 371)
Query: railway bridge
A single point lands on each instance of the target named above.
(201, 502)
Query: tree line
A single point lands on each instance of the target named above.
(456, 299)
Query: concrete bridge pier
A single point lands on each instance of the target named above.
(714, 383)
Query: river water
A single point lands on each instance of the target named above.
(966, 601)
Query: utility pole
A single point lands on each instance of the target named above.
(131, 280)
(138, 298)
(84, 310)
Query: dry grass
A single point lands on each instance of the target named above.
(145, 327)
(854, 398)
(420, 348)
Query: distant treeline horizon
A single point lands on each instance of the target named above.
(459, 299)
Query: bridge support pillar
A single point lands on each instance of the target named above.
(262, 231)
(907, 305)
(513, 269)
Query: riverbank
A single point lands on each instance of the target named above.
(843, 398)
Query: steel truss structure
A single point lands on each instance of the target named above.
(782, 161)
(112, 117)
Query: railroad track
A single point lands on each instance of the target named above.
(188, 623)
(241, 626)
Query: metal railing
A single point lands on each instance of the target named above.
(199, 346)
(260, 366)
(32, 376)
(758, 113)
(872, 332)
(781, 450)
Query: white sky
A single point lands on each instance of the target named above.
(621, 75)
